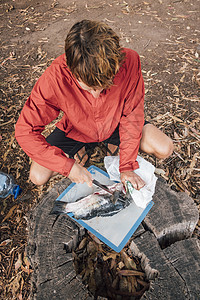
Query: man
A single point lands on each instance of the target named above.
(99, 87)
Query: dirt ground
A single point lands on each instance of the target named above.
(164, 33)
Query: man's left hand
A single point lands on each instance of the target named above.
(136, 180)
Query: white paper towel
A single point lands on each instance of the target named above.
(145, 171)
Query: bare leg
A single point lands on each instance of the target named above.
(155, 142)
(40, 175)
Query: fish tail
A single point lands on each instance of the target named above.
(59, 207)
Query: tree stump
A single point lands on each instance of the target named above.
(175, 268)
(168, 285)
(185, 258)
(172, 218)
(50, 236)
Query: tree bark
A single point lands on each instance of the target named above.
(54, 276)
(173, 272)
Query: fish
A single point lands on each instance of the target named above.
(97, 204)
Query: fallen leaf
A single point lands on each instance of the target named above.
(134, 283)
(86, 275)
(113, 263)
(182, 16)
(176, 119)
(182, 69)
(15, 285)
(21, 288)
(26, 270)
(176, 88)
(130, 273)
(188, 150)
(159, 171)
(182, 78)
(129, 284)
(123, 284)
(82, 243)
(27, 261)
(20, 296)
(91, 247)
(96, 240)
(18, 262)
(5, 242)
(110, 256)
(176, 136)
(193, 162)
(167, 171)
(115, 282)
(195, 131)
(120, 265)
(185, 132)
(129, 263)
(9, 214)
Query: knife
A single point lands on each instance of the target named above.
(105, 188)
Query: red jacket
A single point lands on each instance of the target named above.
(86, 119)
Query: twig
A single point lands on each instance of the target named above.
(147, 44)
(191, 99)
(11, 263)
(177, 1)
(179, 156)
(10, 121)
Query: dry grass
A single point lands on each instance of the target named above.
(172, 104)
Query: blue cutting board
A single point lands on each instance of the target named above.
(115, 231)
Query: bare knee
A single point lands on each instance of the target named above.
(155, 142)
(40, 175)
(165, 149)
(37, 179)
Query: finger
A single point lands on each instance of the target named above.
(89, 180)
(137, 184)
(89, 183)
(134, 184)
(123, 180)
(141, 184)
(137, 187)
(87, 177)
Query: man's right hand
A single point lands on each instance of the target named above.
(79, 174)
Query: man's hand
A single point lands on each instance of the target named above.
(136, 180)
(79, 174)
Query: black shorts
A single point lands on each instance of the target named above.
(71, 147)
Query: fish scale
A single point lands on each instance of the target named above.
(89, 207)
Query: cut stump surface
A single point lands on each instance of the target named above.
(54, 276)
(173, 217)
(173, 271)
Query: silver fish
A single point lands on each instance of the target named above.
(88, 207)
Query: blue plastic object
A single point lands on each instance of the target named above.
(8, 186)
(115, 231)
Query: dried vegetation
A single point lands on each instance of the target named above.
(121, 272)
(172, 81)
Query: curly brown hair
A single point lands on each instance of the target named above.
(93, 53)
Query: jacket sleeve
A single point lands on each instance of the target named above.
(39, 110)
(131, 123)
